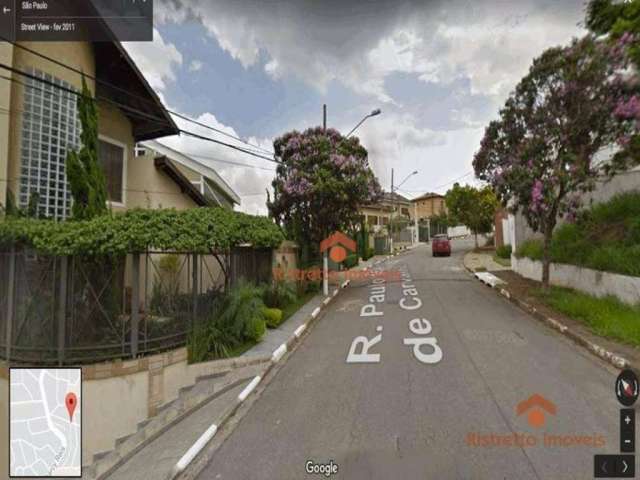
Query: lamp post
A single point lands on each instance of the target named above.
(375, 112)
(393, 207)
(325, 255)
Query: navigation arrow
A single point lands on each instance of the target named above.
(626, 467)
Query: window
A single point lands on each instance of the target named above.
(50, 127)
(111, 158)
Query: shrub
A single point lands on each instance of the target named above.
(242, 313)
(504, 251)
(351, 260)
(273, 317)
(530, 248)
(206, 341)
(279, 294)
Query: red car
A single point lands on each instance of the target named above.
(441, 245)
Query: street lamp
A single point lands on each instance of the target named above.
(415, 172)
(375, 112)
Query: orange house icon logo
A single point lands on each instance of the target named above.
(338, 243)
(536, 405)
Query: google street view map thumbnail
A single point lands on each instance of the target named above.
(46, 422)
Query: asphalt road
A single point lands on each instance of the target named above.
(402, 418)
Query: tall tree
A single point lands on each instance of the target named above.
(540, 155)
(320, 183)
(86, 179)
(621, 22)
(472, 207)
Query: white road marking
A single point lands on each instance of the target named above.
(249, 388)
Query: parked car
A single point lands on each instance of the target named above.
(441, 245)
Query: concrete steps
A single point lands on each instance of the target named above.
(190, 399)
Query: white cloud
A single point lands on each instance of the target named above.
(491, 43)
(157, 60)
(195, 66)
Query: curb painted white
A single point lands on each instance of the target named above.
(299, 330)
(249, 388)
(194, 450)
(278, 353)
(489, 279)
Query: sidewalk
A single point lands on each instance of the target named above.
(157, 458)
(479, 262)
(520, 290)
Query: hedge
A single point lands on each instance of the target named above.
(197, 230)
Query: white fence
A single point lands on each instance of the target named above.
(593, 282)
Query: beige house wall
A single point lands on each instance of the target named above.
(147, 187)
(76, 54)
(6, 57)
(428, 207)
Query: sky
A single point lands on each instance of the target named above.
(438, 69)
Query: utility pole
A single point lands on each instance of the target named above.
(391, 220)
(415, 223)
(325, 254)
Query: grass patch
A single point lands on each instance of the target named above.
(292, 308)
(607, 317)
(605, 237)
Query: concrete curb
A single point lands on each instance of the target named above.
(602, 353)
(182, 465)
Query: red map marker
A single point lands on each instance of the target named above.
(71, 401)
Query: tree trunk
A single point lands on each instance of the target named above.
(546, 261)
(475, 236)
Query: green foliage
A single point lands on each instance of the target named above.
(504, 251)
(279, 294)
(320, 183)
(472, 207)
(604, 238)
(616, 19)
(531, 248)
(351, 261)
(198, 230)
(369, 252)
(11, 208)
(85, 177)
(273, 317)
(242, 313)
(206, 341)
(607, 316)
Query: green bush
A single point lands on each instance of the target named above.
(242, 313)
(273, 317)
(530, 248)
(504, 251)
(605, 237)
(206, 341)
(279, 294)
(351, 260)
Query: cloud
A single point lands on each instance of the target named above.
(157, 60)
(195, 66)
(359, 44)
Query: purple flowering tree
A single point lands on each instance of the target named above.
(540, 156)
(322, 180)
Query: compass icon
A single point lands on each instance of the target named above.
(627, 388)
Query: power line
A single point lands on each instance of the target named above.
(126, 108)
(439, 186)
(127, 92)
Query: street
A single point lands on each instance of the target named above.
(398, 416)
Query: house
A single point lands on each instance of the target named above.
(428, 205)
(163, 177)
(390, 205)
(39, 124)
